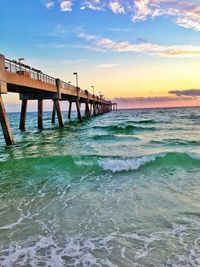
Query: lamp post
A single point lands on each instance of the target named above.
(76, 74)
(20, 62)
(21, 59)
(92, 89)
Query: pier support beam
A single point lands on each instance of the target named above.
(53, 119)
(59, 113)
(91, 106)
(40, 114)
(70, 109)
(98, 110)
(23, 115)
(5, 124)
(87, 110)
(79, 111)
(94, 109)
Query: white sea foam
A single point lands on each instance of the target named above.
(12, 225)
(127, 164)
(194, 156)
(76, 251)
(117, 165)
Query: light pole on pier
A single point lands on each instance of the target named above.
(20, 62)
(92, 89)
(76, 74)
(21, 59)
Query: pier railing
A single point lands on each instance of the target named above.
(25, 70)
(19, 68)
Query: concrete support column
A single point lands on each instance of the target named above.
(79, 111)
(70, 110)
(3, 84)
(58, 85)
(94, 109)
(59, 113)
(40, 114)
(5, 124)
(91, 113)
(23, 115)
(98, 110)
(87, 110)
(53, 119)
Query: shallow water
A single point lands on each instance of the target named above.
(121, 189)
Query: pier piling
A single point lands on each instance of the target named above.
(5, 124)
(59, 113)
(40, 114)
(53, 119)
(70, 109)
(78, 107)
(23, 115)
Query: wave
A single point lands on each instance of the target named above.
(175, 142)
(142, 121)
(103, 137)
(117, 165)
(148, 121)
(157, 160)
(111, 137)
(191, 117)
(124, 128)
(77, 165)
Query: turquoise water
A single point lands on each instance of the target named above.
(121, 190)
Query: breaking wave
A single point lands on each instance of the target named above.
(157, 160)
(90, 163)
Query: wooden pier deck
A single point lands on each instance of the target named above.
(32, 84)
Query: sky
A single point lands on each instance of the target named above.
(139, 53)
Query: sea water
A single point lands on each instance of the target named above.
(120, 190)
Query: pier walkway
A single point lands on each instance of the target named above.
(32, 84)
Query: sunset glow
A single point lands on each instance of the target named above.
(128, 50)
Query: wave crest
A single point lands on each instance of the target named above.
(157, 160)
(117, 165)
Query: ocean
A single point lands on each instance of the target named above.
(118, 190)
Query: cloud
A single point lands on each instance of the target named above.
(116, 7)
(154, 99)
(66, 6)
(76, 46)
(108, 65)
(147, 48)
(93, 4)
(49, 4)
(59, 30)
(52, 45)
(87, 47)
(190, 92)
(184, 13)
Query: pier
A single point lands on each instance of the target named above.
(33, 84)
